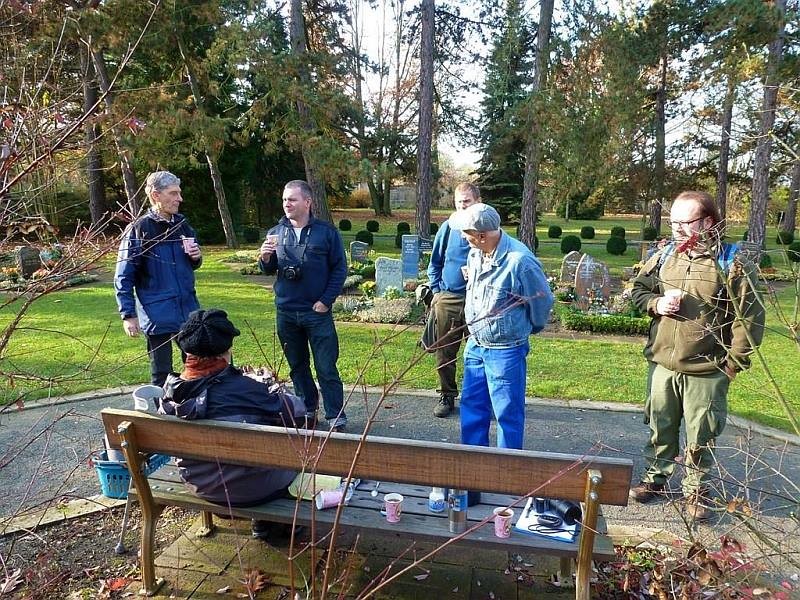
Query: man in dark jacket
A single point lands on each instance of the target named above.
(308, 257)
(210, 387)
(154, 279)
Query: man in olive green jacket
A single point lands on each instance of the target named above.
(707, 320)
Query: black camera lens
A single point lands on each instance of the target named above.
(541, 505)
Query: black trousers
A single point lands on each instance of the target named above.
(159, 348)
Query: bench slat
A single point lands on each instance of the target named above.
(420, 462)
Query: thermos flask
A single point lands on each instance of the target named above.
(457, 510)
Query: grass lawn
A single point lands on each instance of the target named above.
(77, 334)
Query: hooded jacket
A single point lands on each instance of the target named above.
(230, 396)
(152, 263)
(721, 317)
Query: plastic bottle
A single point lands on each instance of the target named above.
(436, 501)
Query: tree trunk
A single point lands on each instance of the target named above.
(790, 219)
(424, 175)
(132, 191)
(298, 42)
(757, 228)
(659, 169)
(216, 179)
(725, 148)
(530, 185)
(94, 162)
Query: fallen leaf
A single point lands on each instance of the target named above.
(11, 582)
(224, 590)
(421, 576)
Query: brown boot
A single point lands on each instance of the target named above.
(697, 506)
(646, 491)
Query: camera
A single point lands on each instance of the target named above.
(292, 272)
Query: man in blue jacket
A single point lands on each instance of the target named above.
(308, 257)
(508, 299)
(154, 279)
(446, 280)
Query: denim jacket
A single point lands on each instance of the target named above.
(508, 298)
(448, 255)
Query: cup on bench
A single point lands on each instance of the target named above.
(329, 498)
(394, 507)
(502, 521)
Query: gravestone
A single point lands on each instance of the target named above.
(28, 261)
(409, 251)
(358, 252)
(592, 280)
(750, 252)
(388, 273)
(425, 245)
(568, 265)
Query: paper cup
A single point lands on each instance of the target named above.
(502, 522)
(188, 244)
(145, 397)
(393, 504)
(328, 498)
(273, 239)
(673, 294)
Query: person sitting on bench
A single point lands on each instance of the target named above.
(210, 387)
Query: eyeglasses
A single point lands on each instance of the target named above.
(685, 223)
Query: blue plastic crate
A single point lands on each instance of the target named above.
(115, 479)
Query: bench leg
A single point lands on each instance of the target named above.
(583, 590)
(565, 572)
(208, 525)
(150, 585)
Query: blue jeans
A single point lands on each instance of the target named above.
(494, 384)
(296, 332)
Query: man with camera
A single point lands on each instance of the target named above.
(307, 255)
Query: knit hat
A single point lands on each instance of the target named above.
(207, 333)
(476, 217)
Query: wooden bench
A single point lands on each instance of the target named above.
(503, 475)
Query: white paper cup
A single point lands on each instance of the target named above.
(188, 244)
(328, 498)
(145, 397)
(273, 239)
(674, 294)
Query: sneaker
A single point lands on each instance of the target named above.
(445, 406)
(697, 506)
(646, 491)
(339, 427)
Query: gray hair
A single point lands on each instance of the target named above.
(159, 180)
(301, 185)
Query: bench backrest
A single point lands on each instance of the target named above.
(428, 463)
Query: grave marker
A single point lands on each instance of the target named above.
(568, 265)
(410, 256)
(358, 252)
(388, 273)
(592, 280)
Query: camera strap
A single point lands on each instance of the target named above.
(283, 257)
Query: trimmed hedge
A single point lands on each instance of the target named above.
(576, 320)
(765, 262)
(570, 243)
(345, 225)
(373, 226)
(618, 231)
(403, 228)
(554, 232)
(616, 245)
(793, 251)
(365, 236)
(587, 232)
(398, 240)
(649, 233)
(785, 237)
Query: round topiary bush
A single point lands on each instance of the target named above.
(398, 240)
(345, 225)
(587, 232)
(618, 231)
(373, 226)
(403, 228)
(765, 262)
(649, 233)
(365, 236)
(434, 227)
(570, 243)
(793, 251)
(616, 245)
(785, 237)
(554, 232)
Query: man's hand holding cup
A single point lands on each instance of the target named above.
(191, 247)
(670, 302)
(268, 247)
